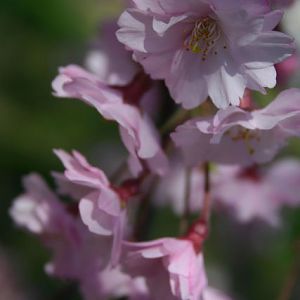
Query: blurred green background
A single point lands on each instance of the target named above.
(37, 37)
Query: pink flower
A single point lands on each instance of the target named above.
(284, 176)
(248, 193)
(235, 136)
(77, 253)
(214, 48)
(113, 65)
(112, 283)
(137, 131)
(255, 194)
(41, 212)
(65, 187)
(213, 294)
(38, 208)
(171, 267)
(101, 209)
(109, 60)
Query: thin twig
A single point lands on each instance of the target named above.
(143, 212)
(205, 212)
(184, 222)
(176, 119)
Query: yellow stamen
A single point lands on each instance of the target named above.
(204, 37)
(245, 135)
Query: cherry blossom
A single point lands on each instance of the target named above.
(172, 268)
(213, 294)
(101, 209)
(235, 136)
(113, 65)
(207, 47)
(136, 129)
(42, 213)
(78, 254)
(253, 193)
(109, 60)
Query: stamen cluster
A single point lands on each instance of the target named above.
(204, 37)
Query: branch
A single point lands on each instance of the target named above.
(184, 222)
(206, 210)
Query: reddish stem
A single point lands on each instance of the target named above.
(199, 231)
(184, 222)
(143, 213)
(130, 187)
(205, 212)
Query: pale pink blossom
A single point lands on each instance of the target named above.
(252, 193)
(137, 130)
(38, 208)
(78, 254)
(248, 194)
(235, 136)
(40, 212)
(247, 198)
(65, 187)
(171, 267)
(102, 208)
(112, 283)
(113, 64)
(109, 60)
(214, 48)
(214, 294)
(284, 176)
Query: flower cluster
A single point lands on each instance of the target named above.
(152, 75)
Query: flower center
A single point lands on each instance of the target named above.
(204, 37)
(246, 135)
